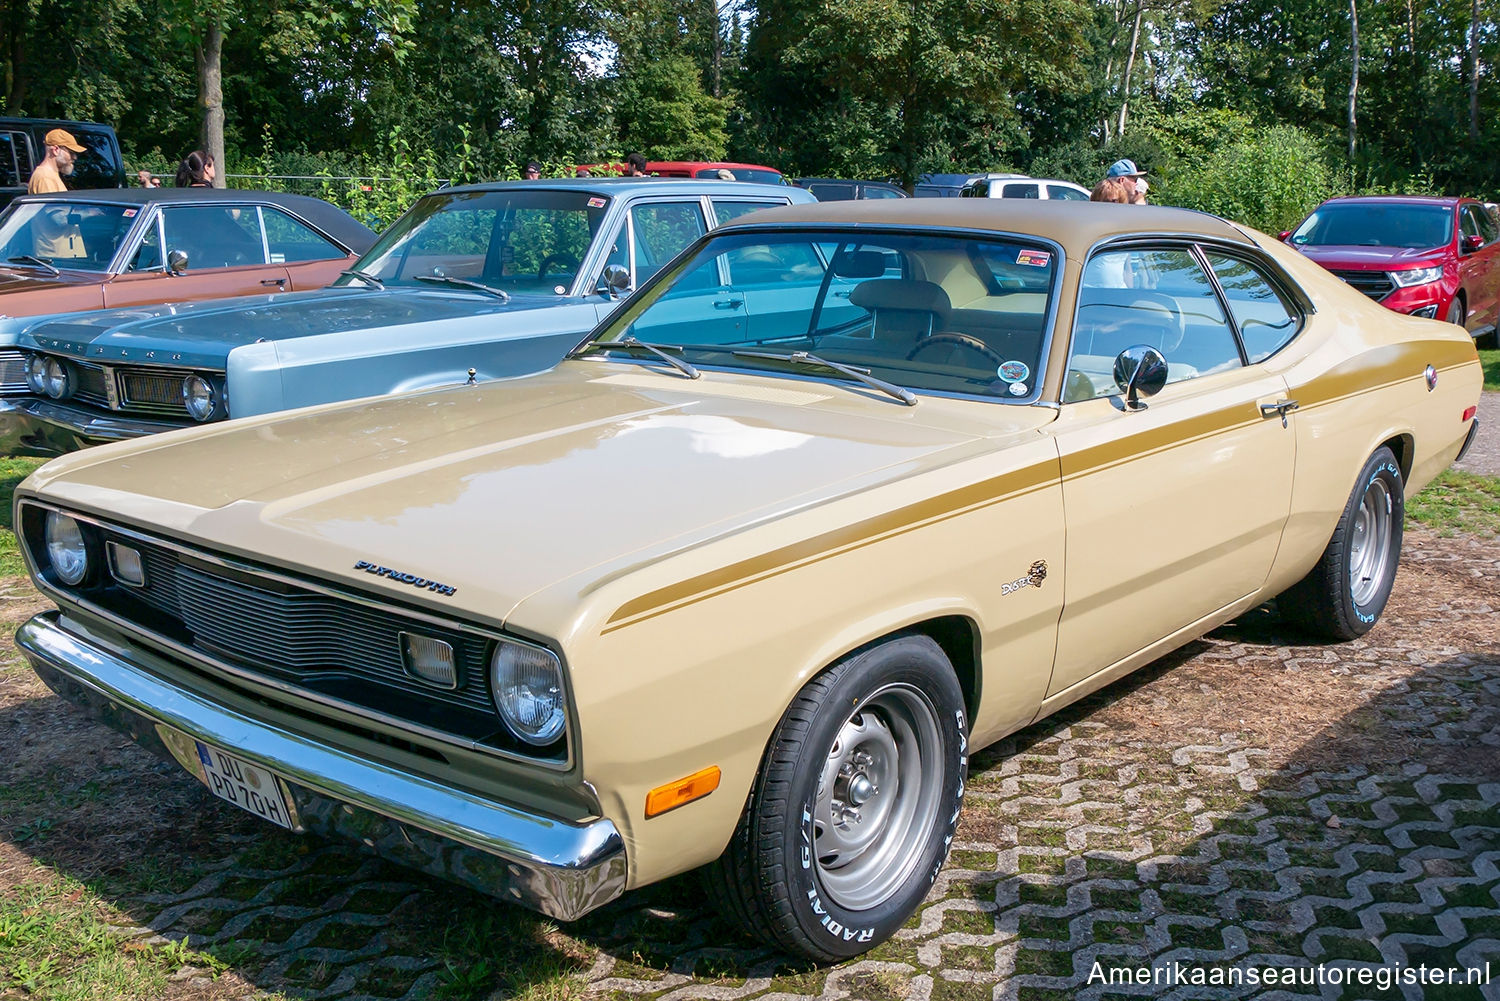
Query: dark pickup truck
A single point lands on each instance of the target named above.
(21, 147)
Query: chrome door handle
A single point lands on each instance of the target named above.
(1278, 409)
(274, 281)
(728, 303)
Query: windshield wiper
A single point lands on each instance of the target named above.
(498, 293)
(862, 375)
(377, 282)
(629, 343)
(28, 259)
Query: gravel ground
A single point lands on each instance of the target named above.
(1484, 454)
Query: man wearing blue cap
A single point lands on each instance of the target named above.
(1127, 169)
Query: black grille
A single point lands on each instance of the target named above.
(291, 634)
(92, 381)
(12, 372)
(1375, 284)
(148, 390)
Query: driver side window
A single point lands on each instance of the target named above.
(1158, 297)
(662, 230)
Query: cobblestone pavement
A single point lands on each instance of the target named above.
(1250, 800)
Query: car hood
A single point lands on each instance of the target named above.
(504, 488)
(1373, 258)
(37, 281)
(203, 333)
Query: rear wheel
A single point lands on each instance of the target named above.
(856, 802)
(1344, 594)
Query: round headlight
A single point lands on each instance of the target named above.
(527, 682)
(36, 372)
(55, 379)
(199, 397)
(66, 550)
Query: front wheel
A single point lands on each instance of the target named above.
(855, 805)
(1343, 595)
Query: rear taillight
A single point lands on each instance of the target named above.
(1469, 415)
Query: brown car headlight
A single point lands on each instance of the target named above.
(36, 373)
(56, 380)
(67, 550)
(527, 684)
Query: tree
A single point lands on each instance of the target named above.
(916, 72)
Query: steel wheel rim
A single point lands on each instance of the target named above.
(879, 787)
(1370, 545)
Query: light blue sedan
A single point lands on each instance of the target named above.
(477, 282)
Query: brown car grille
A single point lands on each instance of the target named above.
(12, 371)
(321, 642)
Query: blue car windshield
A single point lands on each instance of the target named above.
(516, 240)
(946, 313)
(75, 235)
(1376, 224)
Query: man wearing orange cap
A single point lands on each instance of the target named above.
(57, 164)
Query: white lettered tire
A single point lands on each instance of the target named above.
(855, 805)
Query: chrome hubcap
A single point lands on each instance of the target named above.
(1370, 547)
(878, 791)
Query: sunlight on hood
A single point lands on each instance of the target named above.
(721, 436)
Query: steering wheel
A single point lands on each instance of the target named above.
(567, 261)
(964, 340)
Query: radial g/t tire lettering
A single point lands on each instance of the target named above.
(854, 807)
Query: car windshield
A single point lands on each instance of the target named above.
(942, 313)
(742, 174)
(1376, 224)
(515, 240)
(76, 235)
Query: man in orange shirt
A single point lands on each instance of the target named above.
(57, 164)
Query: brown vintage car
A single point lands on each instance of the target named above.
(94, 249)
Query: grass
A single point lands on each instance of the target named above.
(12, 472)
(56, 947)
(1491, 362)
(1459, 502)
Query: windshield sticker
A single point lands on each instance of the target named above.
(1013, 371)
(1034, 258)
(597, 203)
(129, 212)
(1018, 389)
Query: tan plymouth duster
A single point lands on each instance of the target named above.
(847, 492)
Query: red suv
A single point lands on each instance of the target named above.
(1435, 257)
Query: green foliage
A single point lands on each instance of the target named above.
(663, 110)
(1268, 178)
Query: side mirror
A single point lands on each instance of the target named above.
(1473, 242)
(1140, 370)
(1283, 235)
(177, 262)
(614, 280)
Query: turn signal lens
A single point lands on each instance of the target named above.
(429, 659)
(1469, 415)
(675, 794)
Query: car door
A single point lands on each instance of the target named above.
(1481, 275)
(1175, 510)
(226, 256)
(658, 231)
(310, 258)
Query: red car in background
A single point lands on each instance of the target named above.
(1434, 257)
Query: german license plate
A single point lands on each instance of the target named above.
(247, 786)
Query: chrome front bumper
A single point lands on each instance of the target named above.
(32, 426)
(562, 869)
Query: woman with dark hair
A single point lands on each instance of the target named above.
(196, 170)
